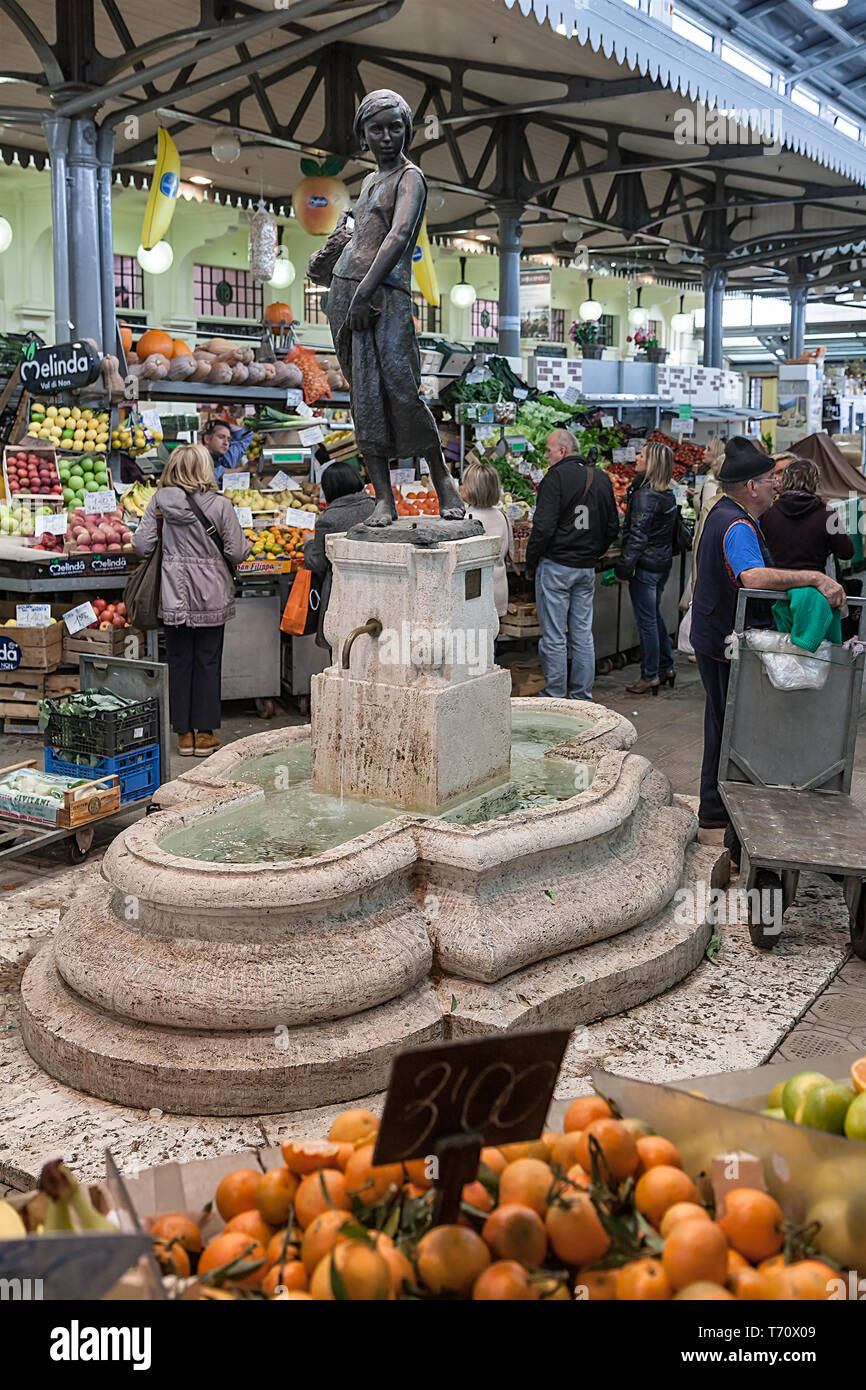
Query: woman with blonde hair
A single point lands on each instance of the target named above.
(482, 493)
(202, 541)
(647, 555)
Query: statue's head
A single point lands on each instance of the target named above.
(383, 121)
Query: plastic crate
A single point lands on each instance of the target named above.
(137, 772)
(105, 733)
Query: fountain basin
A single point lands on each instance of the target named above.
(226, 988)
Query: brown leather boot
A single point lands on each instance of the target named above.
(186, 745)
(643, 687)
(205, 744)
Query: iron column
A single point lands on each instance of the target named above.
(714, 298)
(798, 295)
(509, 215)
(105, 156)
(83, 231)
(57, 137)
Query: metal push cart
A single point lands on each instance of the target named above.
(785, 777)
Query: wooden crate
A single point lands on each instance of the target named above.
(526, 679)
(88, 802)
(41, 647)
(103, 642)
(21, 690)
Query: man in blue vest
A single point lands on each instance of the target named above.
(733, 555)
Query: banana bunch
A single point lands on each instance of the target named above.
(136, 499)
(11, 1225)
(60, 1205)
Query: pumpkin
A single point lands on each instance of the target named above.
(218, 346)
(111, 374)
(179, 349)
(156, 367)
(126, 337)
(278, 313)
(155, 340)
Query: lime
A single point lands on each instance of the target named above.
(855, 1119)
(824, 1107)
(90, 487)
(774, 1099)
(775, 1112)
(796, 1087)
(69, 495)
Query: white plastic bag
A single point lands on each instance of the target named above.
(790, 667)
(684, 636)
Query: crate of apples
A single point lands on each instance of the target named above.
(98, 532)
(109, 615)
(32, 474)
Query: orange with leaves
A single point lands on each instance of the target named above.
(290, 1275)
(596, 1285)
(682, 1211)
(228, 1247)
(364, 1275)
(583, 1111)
(752, 1221)
(237, 1192)
(354, 1127)
(575, 1231)
(275, 1195)
(653, 1151)
(368, 1182)
(504, 1281)
(177, 1226)
(619, 1155)
(319, 1192)
(302, 1156)
(249, 1223)
(806, 1281)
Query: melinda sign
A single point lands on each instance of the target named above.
(64, 367)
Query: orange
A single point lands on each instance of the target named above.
(527, 1182)
(353, 1127)
(290, 1275)
(752, 1222)
(858, 1074)
(493, 1159)
(365, 1275)
(516, 1233)
(643, 1281)
(416, 1171)
(735, 1260)
(274, 1249)
(563, 1150)
(751, 1285)
(660, 1188)
(599, 1285)
(578, 1178)
(654, 1150)
(695, 1252)
(450, 1258)
(531, 1148)
(583, 1111)
(321, 1236)
(682, 1211)
(228, 1247)
(805, 1281)
(318, 1192)
(704, 1293)
(476, 1194)
(307, 1155)
(344, 1153)
(504, 1281)
(172, 1258)
(553, 1291)
(275, 1195)
(371, 1183)
(249, 1223)
(618, 1147)
(399, 1266)
(574, 1230)
(550, 1136)
(176, 1226)
(237, 1192)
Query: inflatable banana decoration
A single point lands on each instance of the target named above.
(163, 191)
(424, 269)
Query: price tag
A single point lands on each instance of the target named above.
(425, 468)
(295, 517)
(33, 614)
(517, 443)
(279, 482)
(234, 480)
(295, 398)
(402, 475)
(476, 375)
(623, 455)
(571, 395)
(310, 438)
(55, 525)
(99, 503)
(684, 426)
(607, 422)
(519, 393)
(304, 410)
(513, 512)
(485, 432)
(536, 474)
(524, 467)
(79, 617)
(244, 515)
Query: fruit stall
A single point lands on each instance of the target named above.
(745, 1187)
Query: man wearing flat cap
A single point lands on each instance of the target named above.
(733, 555)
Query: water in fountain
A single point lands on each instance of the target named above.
(294, 821)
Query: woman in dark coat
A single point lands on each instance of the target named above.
(348, 505)
(647, 555)
(370, 311)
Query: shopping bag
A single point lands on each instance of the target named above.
(294, 618)
(684, 641)
(142, 590)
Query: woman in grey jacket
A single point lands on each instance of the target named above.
(197, 589)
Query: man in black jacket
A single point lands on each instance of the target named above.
(575, 522)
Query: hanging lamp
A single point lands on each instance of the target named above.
(590, 309)
(462, 294)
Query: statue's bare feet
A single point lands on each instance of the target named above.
(381, 515)
(451, 506)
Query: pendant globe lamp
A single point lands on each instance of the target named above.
(463, 295)
(681, 322)
(638, 316)
(590, 309)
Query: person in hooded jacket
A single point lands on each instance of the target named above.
(197, 589)
(647, 555)
(801, 530)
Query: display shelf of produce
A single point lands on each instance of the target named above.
(201, 391)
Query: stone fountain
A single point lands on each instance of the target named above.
(445, 898)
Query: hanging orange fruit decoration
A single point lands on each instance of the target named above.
(320, 197)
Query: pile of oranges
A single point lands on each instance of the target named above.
(420, 502)
(602, 1211)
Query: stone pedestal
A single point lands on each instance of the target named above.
(422, 716)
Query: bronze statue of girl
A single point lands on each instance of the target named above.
(370, 311)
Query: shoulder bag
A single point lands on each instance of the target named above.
(683, 537)
(141, 594)
(213, 533)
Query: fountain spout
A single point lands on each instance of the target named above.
(372, 627)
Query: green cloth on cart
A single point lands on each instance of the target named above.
(808, 617)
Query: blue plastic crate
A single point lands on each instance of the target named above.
(137, 771)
